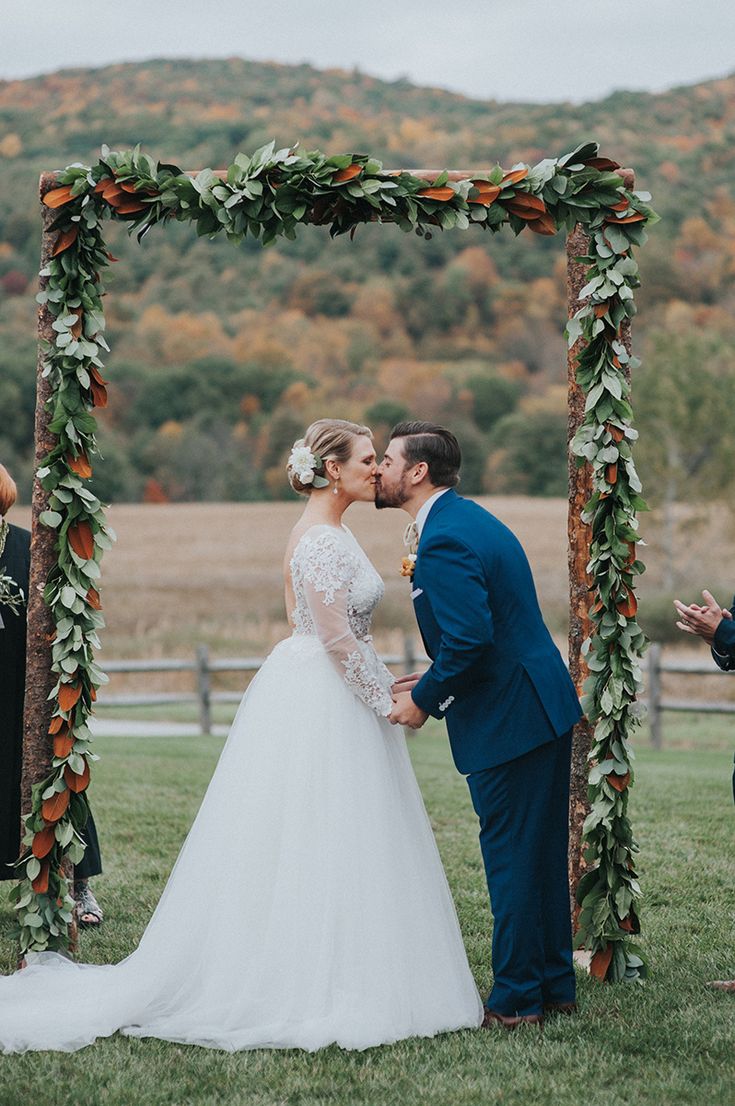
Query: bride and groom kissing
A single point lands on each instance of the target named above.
(308, 905)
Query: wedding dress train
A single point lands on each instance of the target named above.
(308, 904)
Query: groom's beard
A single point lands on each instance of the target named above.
(394, 498)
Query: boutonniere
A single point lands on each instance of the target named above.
(408, 565)
(411, 542)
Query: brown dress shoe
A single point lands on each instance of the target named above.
(511, 1022)
(566, 1008)
(723, 985)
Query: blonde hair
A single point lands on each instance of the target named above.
(329, 439)
(8, 491)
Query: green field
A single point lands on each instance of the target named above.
(669, 1041)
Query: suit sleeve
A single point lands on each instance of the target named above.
(723, 648)
(454, 584)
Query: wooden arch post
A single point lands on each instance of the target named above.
(579, 539)
(37, 744)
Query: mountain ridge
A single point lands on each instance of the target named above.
(401, 82)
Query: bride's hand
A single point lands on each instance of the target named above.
(406, 683)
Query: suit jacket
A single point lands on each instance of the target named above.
(496, 675)
(723, 650)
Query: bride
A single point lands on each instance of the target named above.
(334, 920)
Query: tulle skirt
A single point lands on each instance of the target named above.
(308, 904)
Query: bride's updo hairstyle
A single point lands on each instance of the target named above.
(329, 439)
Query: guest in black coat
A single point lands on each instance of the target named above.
(715, 625)
(15, 558)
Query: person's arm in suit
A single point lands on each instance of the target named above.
(454, 584)
(723, 646)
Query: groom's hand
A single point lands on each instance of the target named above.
(405, 712)
(406, 683)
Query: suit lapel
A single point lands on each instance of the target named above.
(441, 504)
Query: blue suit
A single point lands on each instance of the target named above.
(510, 705)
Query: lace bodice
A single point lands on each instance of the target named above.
(336, 590)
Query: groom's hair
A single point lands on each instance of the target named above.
(433, 444)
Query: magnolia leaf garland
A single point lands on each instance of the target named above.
(608, 892)
(268, 195)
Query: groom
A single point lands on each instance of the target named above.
(509, 703)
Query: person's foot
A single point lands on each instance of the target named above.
(564, 1008)
(723, 985)
(87, 910)
(509, 1022)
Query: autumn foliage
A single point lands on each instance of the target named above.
(405, 309)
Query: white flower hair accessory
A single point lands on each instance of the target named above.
(303, 462)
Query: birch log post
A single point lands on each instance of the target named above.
(37, 746)
(580, 537)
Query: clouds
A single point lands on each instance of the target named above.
(524, 50)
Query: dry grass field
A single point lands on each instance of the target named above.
(211, 572)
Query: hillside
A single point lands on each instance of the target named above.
(220, 356)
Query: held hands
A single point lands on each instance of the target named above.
(405, 712)
(406, 683)
(702, 621)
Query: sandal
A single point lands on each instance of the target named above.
(87, 910)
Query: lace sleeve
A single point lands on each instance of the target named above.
(326, 567)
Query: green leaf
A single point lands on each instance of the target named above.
(68, 596)
(50, 518)
(63, 832)
(76, 763)
(581, 153)
(617, 238)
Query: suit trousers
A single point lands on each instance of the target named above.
(523, 808)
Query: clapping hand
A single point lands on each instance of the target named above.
(702, 621)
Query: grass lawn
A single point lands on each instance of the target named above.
(670, 1041)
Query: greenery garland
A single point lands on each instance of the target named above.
(267, 196)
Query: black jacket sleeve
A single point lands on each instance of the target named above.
(723, 649)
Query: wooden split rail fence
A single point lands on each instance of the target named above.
(204, 667)
(412, 657)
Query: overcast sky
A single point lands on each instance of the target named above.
(541, 50)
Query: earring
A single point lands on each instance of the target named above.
(335, 489)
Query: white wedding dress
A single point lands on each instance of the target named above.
(308, 904)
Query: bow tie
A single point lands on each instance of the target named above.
(411, 537)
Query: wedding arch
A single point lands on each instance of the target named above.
(270, 195)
